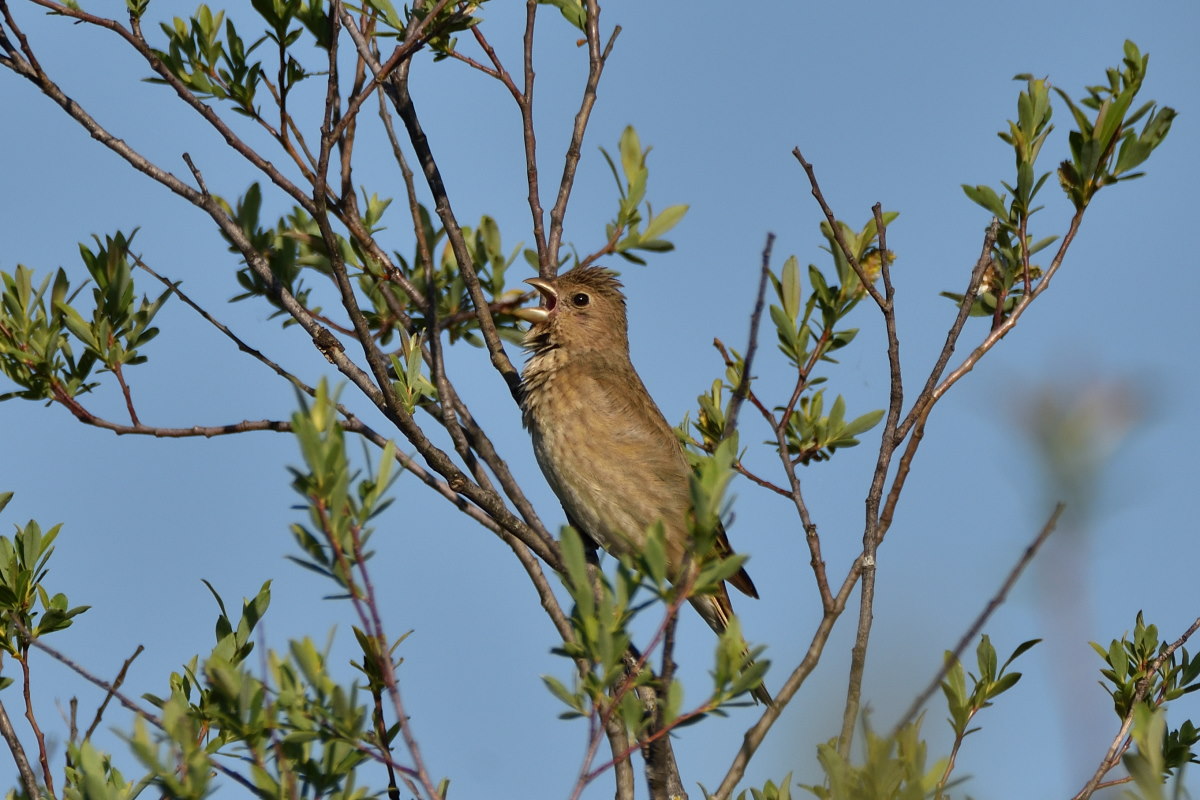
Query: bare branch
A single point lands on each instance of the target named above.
(964, 313)
(596, 60)
(108, 695)
(872, 533)
(414, 39)
(757, 733)
(28, 778)
(997, 600)
(851, 257)
(530, 139)
(742, 391)
(27, 693)
(207, 431)
(396, 86)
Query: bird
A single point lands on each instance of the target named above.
(605, 448)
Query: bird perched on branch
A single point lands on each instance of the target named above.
(605, 448)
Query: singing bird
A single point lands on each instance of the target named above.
(605, 448)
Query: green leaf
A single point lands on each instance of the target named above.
(667, 219)
(559, 690)
(862, 424)
(632, 157)
(985, 654)
(789, 290)
(1022, 648)
(1003, 684)
(575, 562)
(654, 553)
(388, 12)
(572, 11)
(987, 197)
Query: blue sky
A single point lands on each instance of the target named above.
(895, 103)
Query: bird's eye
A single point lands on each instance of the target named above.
(580, 299)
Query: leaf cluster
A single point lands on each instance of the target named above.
(49, 346)
(893, 768)
(208, 55)
(282, 725)
(813, 435)
(36, 351)
(299, 732)
(1128, 661)
(293, 247)
(340, 506)
(991, 682)
(210, 65)
(769, 791)
(454, 18)
(808, 329)
(1104, 147)
(1137, 688)
(603, 607)
(625, 232)
(118, 326)
(896, 767)
(27, 610)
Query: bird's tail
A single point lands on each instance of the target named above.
(716, 609)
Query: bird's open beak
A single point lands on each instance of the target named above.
(549, 299)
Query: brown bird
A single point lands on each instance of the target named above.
(605, 448)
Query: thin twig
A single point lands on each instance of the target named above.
(960, 321)
(872, 533)
(374, 623)
(997, 600)
(28, 778)
(741, 469)
(27, 694)
(207, 431)
(108, 695)
(596, 61)
(396, 87)
(529, 137)
(742, 391)
(836, 229)
(754, 737)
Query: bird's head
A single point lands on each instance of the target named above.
(581, 310)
